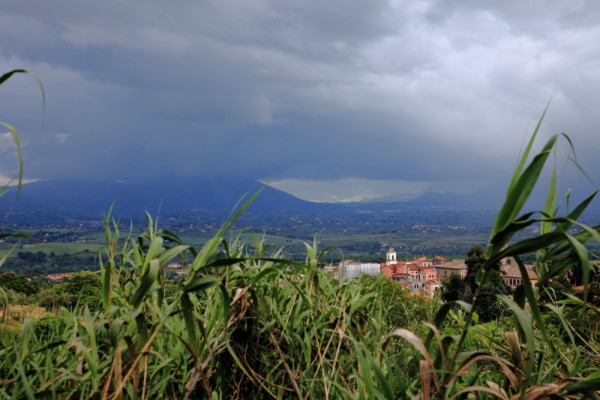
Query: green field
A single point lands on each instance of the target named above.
(57, 248)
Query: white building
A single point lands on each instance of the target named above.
(352, 270)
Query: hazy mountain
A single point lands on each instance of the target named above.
(49, 199)
(485, 198)
(492, 198)
(133, 198)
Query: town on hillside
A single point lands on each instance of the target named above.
(422, 276)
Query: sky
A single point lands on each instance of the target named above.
(332, 100)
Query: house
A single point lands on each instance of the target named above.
(451, 267)
(60, 277)
(423, 275)
(512, 274)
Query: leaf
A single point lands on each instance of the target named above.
(17, 140)
(7, 75)
(442, 313)
(171, 253)
(146, 283)
(577, 211)
(524, 323)
(494, 391)
(549, 206)
(418, 344)
(107, 277)
(522, 185)
(583, 256)
(200, 284)
(187, 309)
(589, 385)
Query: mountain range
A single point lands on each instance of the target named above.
(130, 198)
(177, 195)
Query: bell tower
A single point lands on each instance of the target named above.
(391, 257)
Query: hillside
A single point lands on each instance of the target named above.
(89, 199)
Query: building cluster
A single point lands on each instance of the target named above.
(60, 277)
(422, 275)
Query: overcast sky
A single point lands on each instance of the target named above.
(425, 95)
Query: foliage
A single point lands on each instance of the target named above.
(52, 299)
(400, 309)
(8, 339)
(453, 287)
(18, 282)
(557, 289)
(576, 274)
(594, 294)
(529, 363)
(475, 259)
(488, 307)
(83, 284)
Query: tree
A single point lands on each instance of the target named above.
(594, 294)
(575, 274)
(52, 299)
(84, 288)
(488, 307)
(18, 282)
(556, 289)
(474, 261)
(453, 287)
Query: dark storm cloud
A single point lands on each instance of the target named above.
(429, 90)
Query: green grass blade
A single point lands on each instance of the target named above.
(200, 284)
(146, 282)
(525, 154)
(550, 205)
(171, 253)
(583, 256)
(520, 191)
(107, 277)
(17, 141)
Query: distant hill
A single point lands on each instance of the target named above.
(50, 200)
(133, 198)
(484, 198)
(493, 198)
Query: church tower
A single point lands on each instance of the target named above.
(391, 257)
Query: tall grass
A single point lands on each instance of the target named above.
(244, 323)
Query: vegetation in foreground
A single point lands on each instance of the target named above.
(247, 323)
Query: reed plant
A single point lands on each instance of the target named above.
(243, 323)
(4, 298)
(528, 362)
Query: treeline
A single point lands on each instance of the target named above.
(40, 263)
(81, 288)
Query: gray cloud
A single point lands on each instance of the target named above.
(397, 90)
